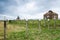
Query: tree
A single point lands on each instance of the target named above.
(18, 18)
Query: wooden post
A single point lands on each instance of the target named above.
(26, 29)
(45, 22)
(48, 21)
(48, 24)
(39, 26)
(4, 30)
(54, 22)
(39, 29)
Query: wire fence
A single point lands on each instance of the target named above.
(30, 30)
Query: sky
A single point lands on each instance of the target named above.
(27, 9)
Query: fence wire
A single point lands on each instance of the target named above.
(30, 30)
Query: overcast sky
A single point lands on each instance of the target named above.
(27, 9)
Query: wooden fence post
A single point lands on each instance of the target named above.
(26, 29)
(54, 22)
(39, 26)
(48, 24)
(4, 29)
(39, 30)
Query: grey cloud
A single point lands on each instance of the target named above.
(9, 7)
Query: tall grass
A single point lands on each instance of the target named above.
(34, 32)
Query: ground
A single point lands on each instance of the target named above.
(16, 30)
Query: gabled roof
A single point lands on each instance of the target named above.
(50, 12)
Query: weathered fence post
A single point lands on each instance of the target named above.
(48, 24)
(54, 21)
(39, 25)
(39, 29)
(26, 29)
(4, 29)
(48, 21)
(45, 22)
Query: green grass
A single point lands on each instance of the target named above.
(33, 32)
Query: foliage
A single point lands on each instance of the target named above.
(33, 31)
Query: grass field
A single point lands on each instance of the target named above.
(16, 30)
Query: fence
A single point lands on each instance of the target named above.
(30, 30)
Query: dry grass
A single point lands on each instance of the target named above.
(10, 29)
(17, 32)
(1, 30)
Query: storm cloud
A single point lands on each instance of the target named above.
(27, 9)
